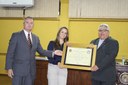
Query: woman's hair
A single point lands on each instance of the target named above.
(57, 42)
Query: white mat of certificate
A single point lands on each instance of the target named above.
(79, 56)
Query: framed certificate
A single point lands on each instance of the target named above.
(78, 56)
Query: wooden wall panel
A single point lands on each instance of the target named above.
(11, 12)
(44, 8)
(98, 9)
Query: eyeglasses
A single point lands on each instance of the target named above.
(103, 30)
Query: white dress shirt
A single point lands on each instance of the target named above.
(26, 34)
(100, 42)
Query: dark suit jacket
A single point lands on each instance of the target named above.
(105, 60)
(20, 57)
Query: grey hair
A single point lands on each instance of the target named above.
(28, 17)
(104, 26)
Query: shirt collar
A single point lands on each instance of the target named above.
(26, 33)
(101, 40)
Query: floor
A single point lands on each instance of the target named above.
(5, 80)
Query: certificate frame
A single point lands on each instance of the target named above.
(69, 59)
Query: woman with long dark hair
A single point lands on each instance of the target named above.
(56, 74)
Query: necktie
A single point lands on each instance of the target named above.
(29, 41)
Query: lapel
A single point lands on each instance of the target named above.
(97, 41)
(33, 41)
(24, 37)
(101, 45)
(25, 40)
(105, 42)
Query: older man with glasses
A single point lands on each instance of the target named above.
(104, 71)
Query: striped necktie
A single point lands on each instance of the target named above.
(29, 41)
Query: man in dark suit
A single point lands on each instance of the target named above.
(104, 71)
(20, 58)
